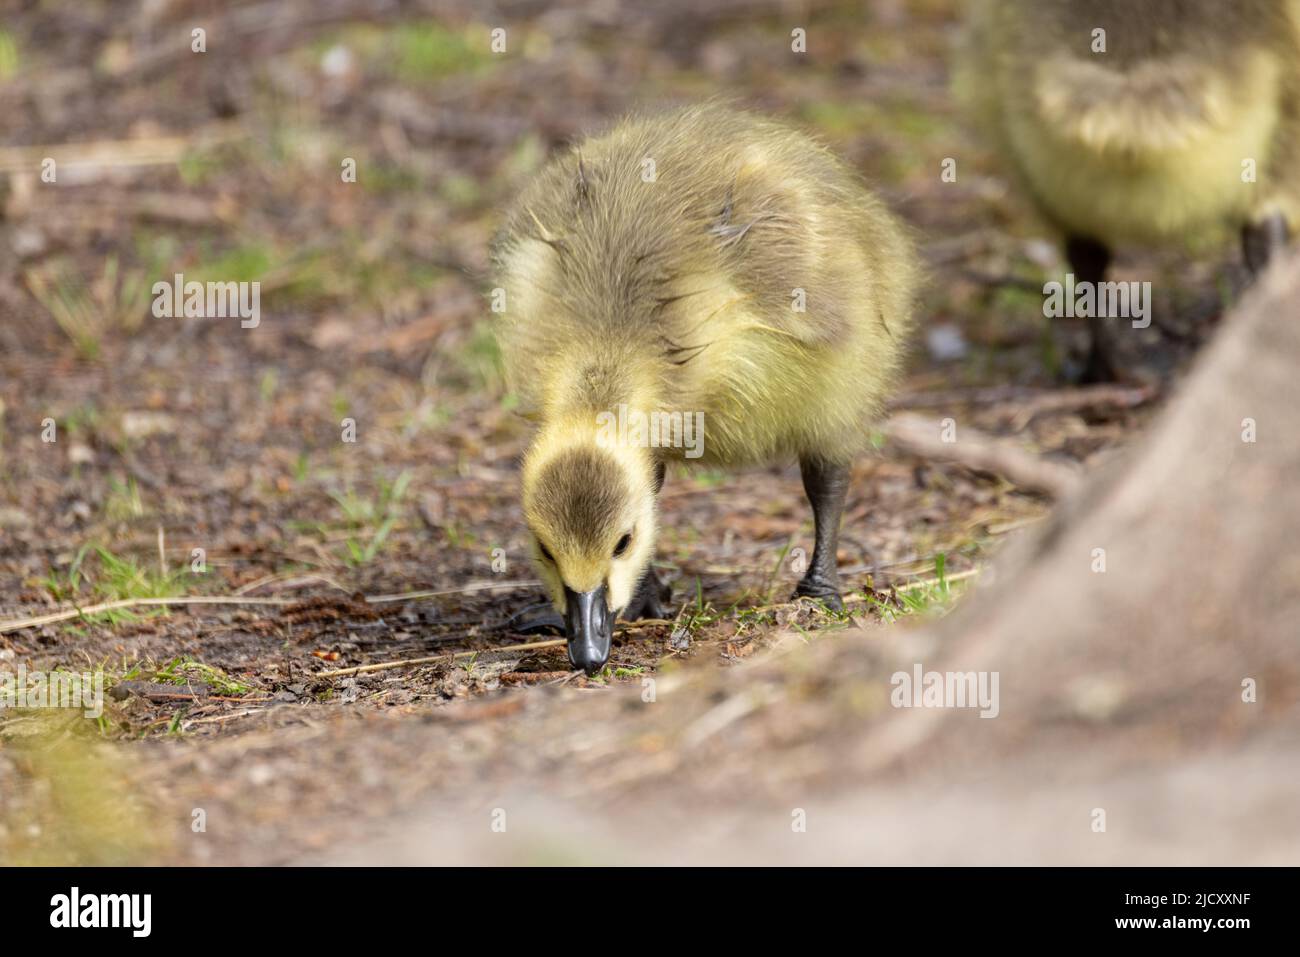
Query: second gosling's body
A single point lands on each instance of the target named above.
(703, 261)
(1152, 122)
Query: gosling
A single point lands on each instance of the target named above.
(704, 265)
(1181, 118)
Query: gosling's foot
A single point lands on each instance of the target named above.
(821, 589)
(650, 600)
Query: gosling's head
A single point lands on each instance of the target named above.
(591, 511)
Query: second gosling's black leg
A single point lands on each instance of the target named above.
(539, 619)
(1262, 240)
(1089, 261)
(826, 484)
(652, 595)
(651, 598)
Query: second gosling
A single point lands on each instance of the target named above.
(1142, 121)
(703, 261)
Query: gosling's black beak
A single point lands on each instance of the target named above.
(590, 627)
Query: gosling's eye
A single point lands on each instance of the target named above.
(546, 552)
(622, 545)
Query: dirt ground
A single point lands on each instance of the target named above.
(198, 458)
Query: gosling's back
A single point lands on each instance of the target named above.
(710, 261)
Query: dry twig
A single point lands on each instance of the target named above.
(984, 453)
(20, 623)
(433, 659)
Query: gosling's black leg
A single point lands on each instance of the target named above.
(1262, 240)
(826, 484)
(1089, 261)
(651, 598)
